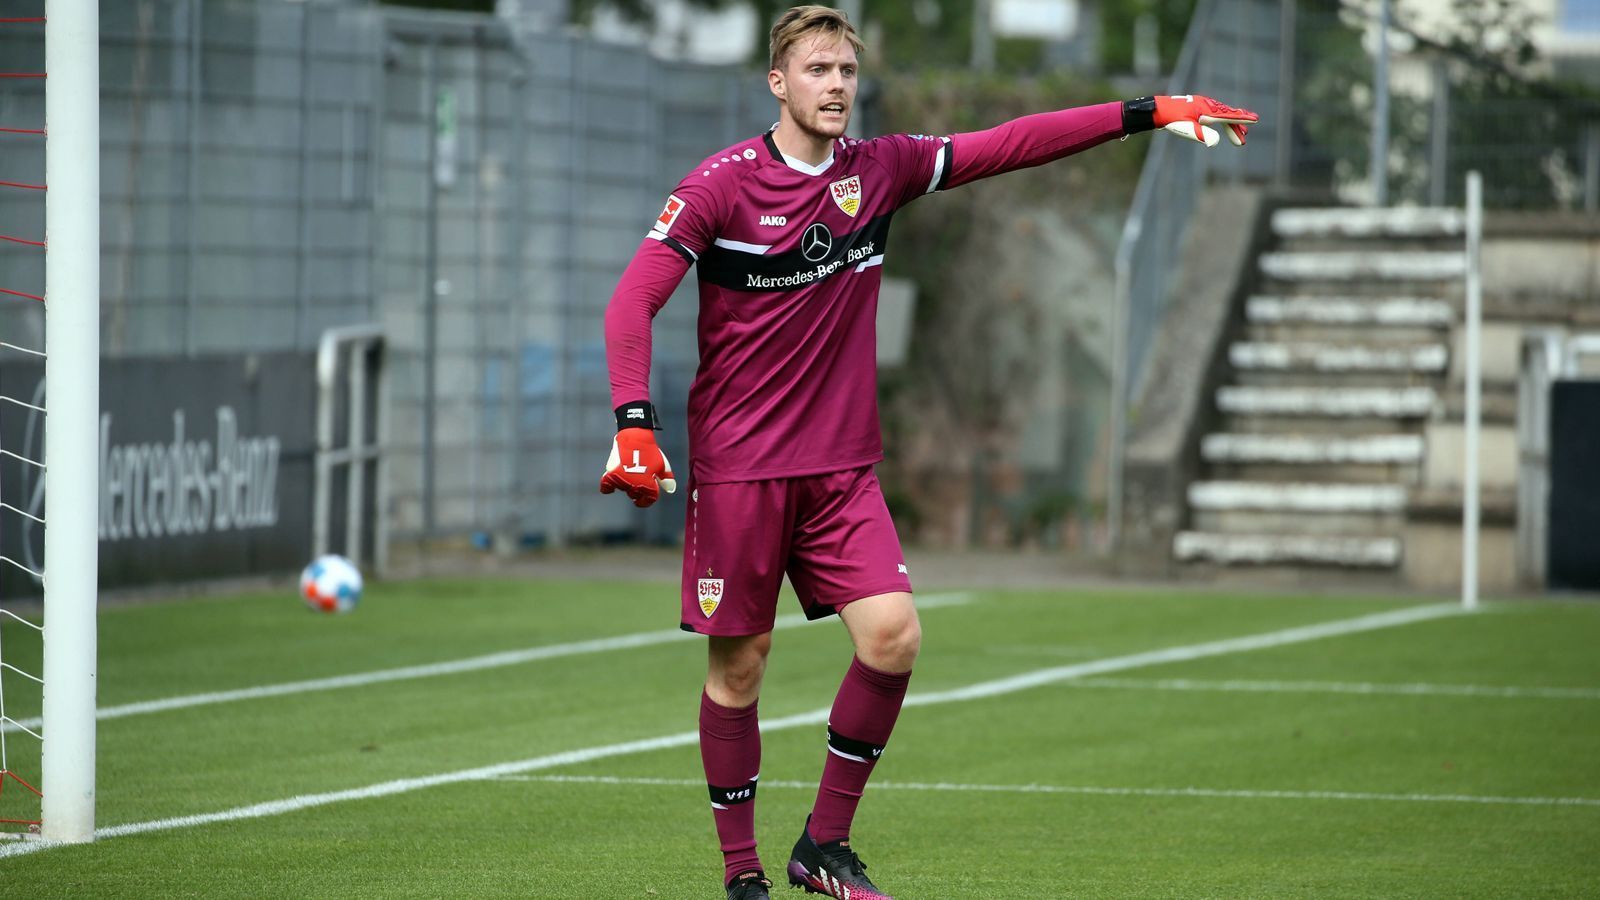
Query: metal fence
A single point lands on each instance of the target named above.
(272, 170)
(1451, 110)
(501, 238)
(236, 199)
(1236, 49)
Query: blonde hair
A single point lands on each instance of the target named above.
(803, 20)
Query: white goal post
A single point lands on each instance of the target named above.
(72, 379)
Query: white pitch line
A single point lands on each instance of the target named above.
(982, 689)
(1091, 789)
(1340, 687)
(1193, 651)
(448, 667)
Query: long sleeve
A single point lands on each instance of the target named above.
(646, 284)
(1031, 141)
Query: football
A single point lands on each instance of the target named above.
(331, 584)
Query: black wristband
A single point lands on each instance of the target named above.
(1138, 115)
(638, 414)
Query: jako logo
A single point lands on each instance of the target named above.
(775, 220)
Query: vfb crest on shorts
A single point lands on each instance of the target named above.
(847, 194)
(710, 595)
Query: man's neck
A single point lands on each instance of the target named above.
(801, 146)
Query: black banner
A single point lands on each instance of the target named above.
(1573, 562)
(205, 468)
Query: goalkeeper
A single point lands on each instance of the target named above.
(788, 230)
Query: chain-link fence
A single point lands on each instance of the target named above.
(1453, 108)
(1235, 49)
(502, 237)
(274, 170)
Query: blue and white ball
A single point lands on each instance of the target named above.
(331, 584)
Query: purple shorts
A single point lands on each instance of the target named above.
(831, 534)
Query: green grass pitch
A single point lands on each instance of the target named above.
(1302, 770)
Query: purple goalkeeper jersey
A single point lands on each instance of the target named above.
(790, 258)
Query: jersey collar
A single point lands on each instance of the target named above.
(795, 164)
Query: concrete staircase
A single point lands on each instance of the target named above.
(1344, 357)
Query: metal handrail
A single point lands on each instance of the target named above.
(1144, 198)
(357, 341)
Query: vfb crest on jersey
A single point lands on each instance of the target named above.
(710, 595)
(847, 194)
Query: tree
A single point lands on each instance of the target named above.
(1525, 134)
(482, 6)
(900, 35)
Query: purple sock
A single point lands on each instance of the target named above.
(730, 748)
(858, 728)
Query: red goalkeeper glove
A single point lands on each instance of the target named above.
(637, 467)
(1188, 116)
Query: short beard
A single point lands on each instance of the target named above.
(813, 127)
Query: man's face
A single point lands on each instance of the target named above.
(818, 84)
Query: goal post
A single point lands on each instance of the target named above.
(72, 378)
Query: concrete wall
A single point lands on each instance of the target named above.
(1537, 259)
(1173, 407)
(1541, 271)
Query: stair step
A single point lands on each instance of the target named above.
(1375, 449)
(1381, 403)
(1276, 549)
(1368, 222)
(1322, 524)
(1304, 497)
(1392, 311)
(1358, 266)
(1285, 356)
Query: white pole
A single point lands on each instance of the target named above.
(72, 378)
(1469, 479)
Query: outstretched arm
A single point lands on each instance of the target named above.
(1030, 141)
(1045, 137)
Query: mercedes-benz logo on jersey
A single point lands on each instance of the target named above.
(816, 243)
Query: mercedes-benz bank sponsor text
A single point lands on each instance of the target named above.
(187, 486)
(809, 275)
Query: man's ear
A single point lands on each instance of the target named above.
(775, 83)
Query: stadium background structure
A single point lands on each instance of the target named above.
(70, 297)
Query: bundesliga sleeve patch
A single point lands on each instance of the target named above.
(669, 214)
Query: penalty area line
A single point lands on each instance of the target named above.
(1375, 688)
(447, 667)
(982, 689)
(1209, 793)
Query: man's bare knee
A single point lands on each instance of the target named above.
(735, 668)
(886, 631)
(893, 646)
